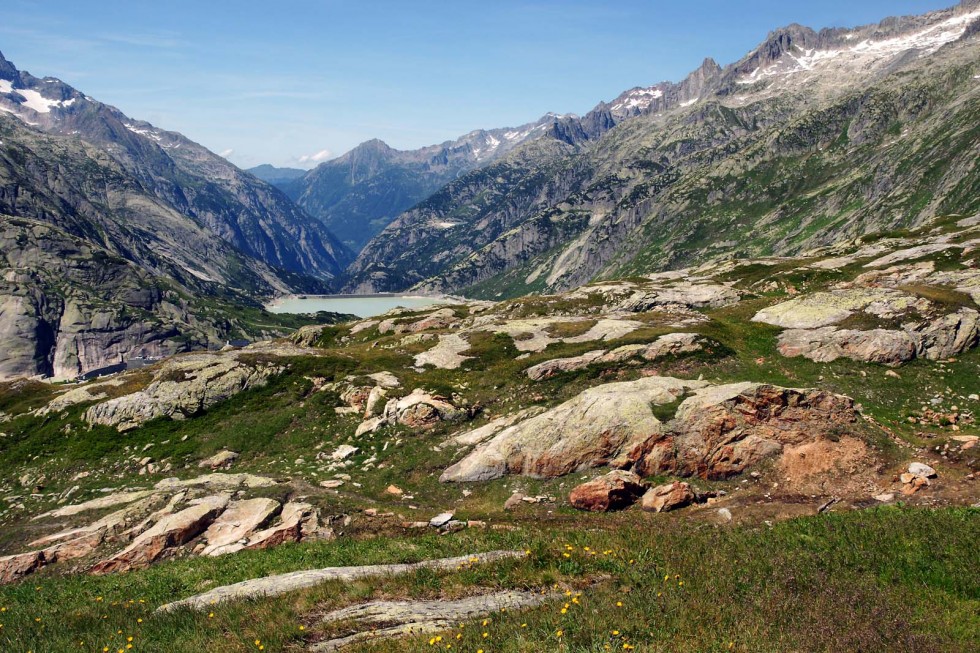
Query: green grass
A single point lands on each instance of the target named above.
(884, 579)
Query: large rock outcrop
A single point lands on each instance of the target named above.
(723, 430)
(937, 339)
(719, 431)
(171, 531)
(186, 385)
(602, 425)
(194, 515)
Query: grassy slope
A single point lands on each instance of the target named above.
(886, 579)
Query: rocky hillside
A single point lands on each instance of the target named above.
(250, 215)
(114, 231)
(810, 139)
(359, 193)
(482, 462)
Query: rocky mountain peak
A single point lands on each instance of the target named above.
(7, 70)
(778, 43)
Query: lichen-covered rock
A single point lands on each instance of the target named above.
(600, 426)
(826, 308)
(613, 491)
(447, 354)
(948, 335)
(669, 344)
(107, 501)
(683, 293)
(887, 346)
(222, 459)
(394, 619)
(672, 344)
(555, 366)
(938, 339)
(306, 336)
(186, 385)
(215, 482)
(490, 429)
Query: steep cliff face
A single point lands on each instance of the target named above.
(810, 139)
(68, 307)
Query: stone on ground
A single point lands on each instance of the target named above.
(671, 496)
(282, 583)
(613, 491)
(389, 619)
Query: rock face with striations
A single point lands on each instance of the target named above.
(120, 241)
(661, 189)
(172, 530)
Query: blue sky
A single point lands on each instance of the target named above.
(294, 82)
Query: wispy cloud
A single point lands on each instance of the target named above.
(226, 153)
(312, 159)
(165, 40)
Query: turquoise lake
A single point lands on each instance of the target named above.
(359, 305)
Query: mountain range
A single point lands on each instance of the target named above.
(359, 193)
(811, 138)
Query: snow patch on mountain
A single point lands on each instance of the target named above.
(149, 133)
(637, 99)
(32, 99)
(866, 53)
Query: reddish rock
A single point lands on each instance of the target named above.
(723, 430)
(297, 520)
(171, 531)
(615, 490)
(78, 547)
(671, 496)
(15, 567)
(230, 531)
(514, 501)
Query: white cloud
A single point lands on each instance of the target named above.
(226, 153)
(319, 157)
